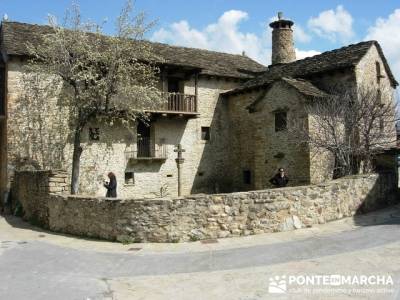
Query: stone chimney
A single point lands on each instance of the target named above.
(282, 41)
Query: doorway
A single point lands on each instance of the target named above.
(143, 140)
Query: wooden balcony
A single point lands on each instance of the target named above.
(177, 104)
(146, 150)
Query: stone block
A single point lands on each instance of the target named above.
(296, 222)
(57, 179)
(55, 189)
(224, 234)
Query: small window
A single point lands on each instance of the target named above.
(280, 121)
(94, 134)
(129, 178)
(205, 133)
(247, 177)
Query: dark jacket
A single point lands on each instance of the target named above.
(279, 181)
(111, 188)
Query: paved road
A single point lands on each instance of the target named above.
(42, 265)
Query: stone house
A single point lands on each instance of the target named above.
(227, 111)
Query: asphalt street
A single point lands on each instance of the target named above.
(35, 267)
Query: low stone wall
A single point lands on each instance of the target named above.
(211, 216)
(33, 189)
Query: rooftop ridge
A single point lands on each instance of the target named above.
(16, 35)
(148, 40)
(325, 53)
(202, 49)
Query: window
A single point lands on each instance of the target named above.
(205, 133)
(247, 177)
(280, 121)
(129, 177)
(94, 134)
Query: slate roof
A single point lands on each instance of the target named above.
(341, 58)
(304, 87)
(15, 35)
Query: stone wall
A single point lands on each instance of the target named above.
(33, 189)
(257, 147)
(203, 216)
(38, 130)
(282, 46)
(367, 77)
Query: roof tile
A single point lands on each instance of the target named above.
(341, 58)
(15, 36)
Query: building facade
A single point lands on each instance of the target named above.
(224, 110)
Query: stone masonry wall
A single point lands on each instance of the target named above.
(37, 127)
(204, 216)
(39, 135)
(257, 147)
(366, 74)
(282, 46)
(32, 190)
(276, 149)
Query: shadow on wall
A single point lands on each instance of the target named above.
(144, 167)
(212, 174)
(386, 184)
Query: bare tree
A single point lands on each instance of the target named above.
(353, 125)
(108, 77)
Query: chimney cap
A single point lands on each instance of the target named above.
(281, 23)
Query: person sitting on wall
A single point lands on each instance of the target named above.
(280, 179)
(111, 186)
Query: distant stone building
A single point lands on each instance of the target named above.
(227, 111)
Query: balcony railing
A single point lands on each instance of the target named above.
(146, 149)
(178, 103)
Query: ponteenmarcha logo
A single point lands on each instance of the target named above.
(277, 285)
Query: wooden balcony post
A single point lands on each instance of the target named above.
(196, 90)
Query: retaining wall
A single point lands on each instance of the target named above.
(198, 216)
